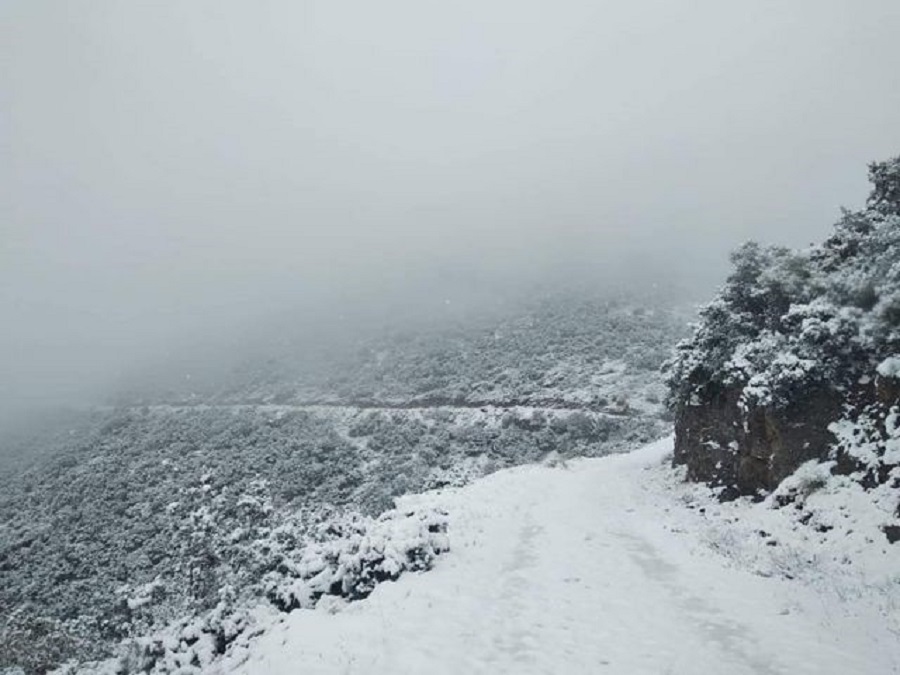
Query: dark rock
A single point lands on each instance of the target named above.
(752, 450)
(887, 390)
(892, 532)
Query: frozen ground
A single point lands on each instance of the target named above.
(600, 566)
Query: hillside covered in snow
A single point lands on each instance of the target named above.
(184, 506)
(279, 515)
(611, 565)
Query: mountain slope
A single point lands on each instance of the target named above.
(594, 567)
(139, 516)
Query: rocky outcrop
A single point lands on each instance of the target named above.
(798, 358)
(748, 451)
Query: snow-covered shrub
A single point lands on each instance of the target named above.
(344, 557)
(184, 646)
(808, 479)
(792, 318)
(351, 556)
(787, 319)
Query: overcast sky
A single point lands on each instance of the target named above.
(170, 168)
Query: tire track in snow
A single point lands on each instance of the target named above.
(729, 634)
(514, 635)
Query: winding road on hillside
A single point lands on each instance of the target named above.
(388, 406)
(577, 569)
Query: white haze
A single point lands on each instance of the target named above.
(176, 172)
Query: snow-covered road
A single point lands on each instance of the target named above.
(579, 569)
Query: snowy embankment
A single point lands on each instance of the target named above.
(608, 566)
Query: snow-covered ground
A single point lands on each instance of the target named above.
(599, 566)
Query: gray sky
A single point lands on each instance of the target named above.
(179, 169)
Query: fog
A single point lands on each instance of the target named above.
(182, 173)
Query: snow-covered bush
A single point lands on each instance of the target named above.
(351, 556)
(787, 319)
(343, 557)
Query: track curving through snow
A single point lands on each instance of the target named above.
(574, 570)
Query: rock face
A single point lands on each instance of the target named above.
(748, 451)
(798, 358)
